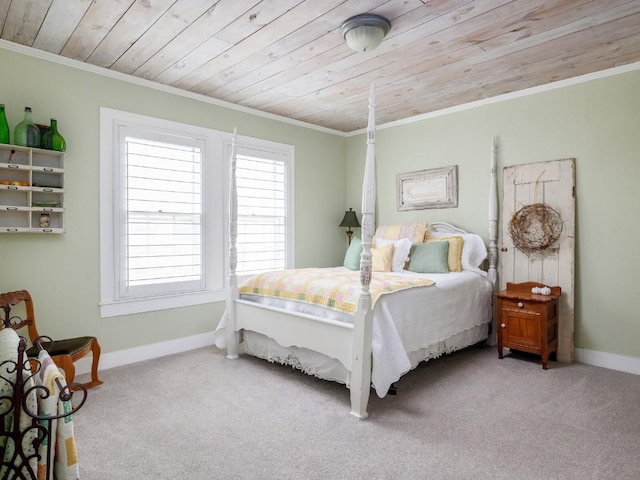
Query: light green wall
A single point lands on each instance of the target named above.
(598, 124)
(62, 271)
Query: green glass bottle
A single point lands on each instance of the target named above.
(26, 133)
(52, 140)
(4, 127)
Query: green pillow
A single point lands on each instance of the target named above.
(429, 257)
(352, 257)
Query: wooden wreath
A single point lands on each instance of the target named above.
(534, 228)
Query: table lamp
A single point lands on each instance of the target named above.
(349, 221)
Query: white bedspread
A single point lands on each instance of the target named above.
(404, 323)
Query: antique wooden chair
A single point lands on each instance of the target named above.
(63, 352)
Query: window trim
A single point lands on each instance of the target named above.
(216, 167)
(215, 281)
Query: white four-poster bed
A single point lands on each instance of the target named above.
(339, 346)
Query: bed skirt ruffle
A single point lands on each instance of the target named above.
(326, 368)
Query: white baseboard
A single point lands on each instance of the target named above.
(145, 352)
(608, 360)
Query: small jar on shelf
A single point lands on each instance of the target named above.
(45, 220)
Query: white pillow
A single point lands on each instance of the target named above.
(401, 249)
(474, 251)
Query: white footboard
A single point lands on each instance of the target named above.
(290, 329)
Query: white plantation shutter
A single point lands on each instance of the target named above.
(163, 208)
(263, 210)
(164, 221)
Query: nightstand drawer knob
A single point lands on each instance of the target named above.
(520, 305)
(503, 325)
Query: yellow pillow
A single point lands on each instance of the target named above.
(415, 232)
(455, 251)
(381, 258)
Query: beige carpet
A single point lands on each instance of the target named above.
(465, 416)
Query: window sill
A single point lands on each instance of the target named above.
(128, 307)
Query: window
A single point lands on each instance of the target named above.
(162, 187)
(163, 214)
(262, 179)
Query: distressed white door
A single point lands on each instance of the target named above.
(552, 184)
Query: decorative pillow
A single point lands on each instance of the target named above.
(430, 257)
(454, 259)
(401, 249)
(382, 258)
(352, 257)
(415, 232)
(474, 250)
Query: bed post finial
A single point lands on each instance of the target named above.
(368, 196)
(369, 184)
(233, 295)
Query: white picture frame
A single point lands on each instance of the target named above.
(433, 188)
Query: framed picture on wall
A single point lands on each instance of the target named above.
(433, 188)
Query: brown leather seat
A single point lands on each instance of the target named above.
(63, 352)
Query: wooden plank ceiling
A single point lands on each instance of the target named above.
(288, 58)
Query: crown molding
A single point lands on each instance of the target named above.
(51, 57)
(507, 96)
(105, 72)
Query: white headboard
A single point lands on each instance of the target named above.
(444, 227)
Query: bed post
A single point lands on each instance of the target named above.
(493, 218)
(232, 295)
(363, 320)
(493, 236)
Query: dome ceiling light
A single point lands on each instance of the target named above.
(364, 32)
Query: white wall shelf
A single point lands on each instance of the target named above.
(31, 190)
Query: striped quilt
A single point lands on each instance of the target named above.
(334, 288)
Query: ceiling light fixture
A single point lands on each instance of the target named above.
(364, 32)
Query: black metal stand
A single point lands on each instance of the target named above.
(22, 436)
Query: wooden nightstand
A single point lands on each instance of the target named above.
(528, 322)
